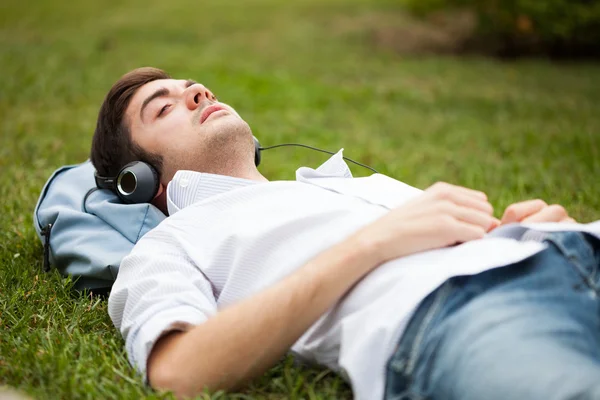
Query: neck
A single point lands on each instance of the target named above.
(244, 170)
(252, 174)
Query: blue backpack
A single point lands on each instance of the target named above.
(86, 232)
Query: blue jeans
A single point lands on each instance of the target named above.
(526, 331)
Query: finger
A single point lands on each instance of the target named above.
(465, 232)
(568, 220)
(470, 192)
(467, 200)
(454, 194)
(553, 213)
(518, 211)
(474, 217)
(496, 224)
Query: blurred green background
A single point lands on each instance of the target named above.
(357, 74)
(512, 28)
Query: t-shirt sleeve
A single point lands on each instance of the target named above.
(158, 290)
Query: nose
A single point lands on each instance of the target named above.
(197, 96)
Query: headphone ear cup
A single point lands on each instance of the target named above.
(137, 182)
(256, 151)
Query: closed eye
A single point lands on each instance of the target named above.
(162, 110)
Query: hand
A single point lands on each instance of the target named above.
(535, 211)
(442, 216)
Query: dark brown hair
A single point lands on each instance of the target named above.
(112, 145)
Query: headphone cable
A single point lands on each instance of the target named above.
(317, 149)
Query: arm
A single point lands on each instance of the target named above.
(246, 339)
(230, 348)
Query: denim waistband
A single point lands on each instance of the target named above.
(582, 250)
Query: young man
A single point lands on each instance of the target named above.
(407, 293)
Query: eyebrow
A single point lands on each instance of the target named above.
(162, 92)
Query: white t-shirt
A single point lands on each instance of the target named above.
(228, 238)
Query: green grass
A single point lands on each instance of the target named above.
(306, 72)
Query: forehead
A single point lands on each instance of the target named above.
(151, 87)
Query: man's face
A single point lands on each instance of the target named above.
(183, 121)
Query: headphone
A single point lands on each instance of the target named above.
(138, 182)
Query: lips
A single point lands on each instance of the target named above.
(209, 110)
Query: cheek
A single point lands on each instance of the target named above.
(175, 122)
(173, 132)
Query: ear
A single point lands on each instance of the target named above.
(160, 200)
(161, 189)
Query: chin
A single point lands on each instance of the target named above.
(226, 135)
(230, 125)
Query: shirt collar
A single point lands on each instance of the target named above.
(335, 167)
(189, 187)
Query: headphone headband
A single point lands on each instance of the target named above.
(103, 182)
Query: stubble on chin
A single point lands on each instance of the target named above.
(225, 148)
